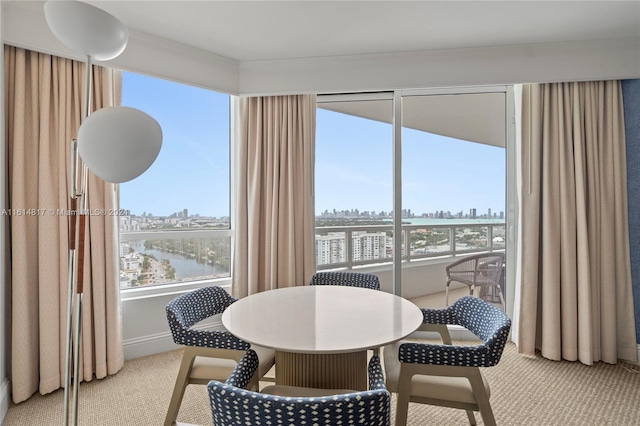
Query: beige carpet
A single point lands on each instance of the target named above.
(525, 391)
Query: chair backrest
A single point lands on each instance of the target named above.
(232, 404)
(485, 321)
(478, 316)
(190, 308)
(348, 278)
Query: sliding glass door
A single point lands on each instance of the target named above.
(454, 188)
(353, 191)
(438, 180)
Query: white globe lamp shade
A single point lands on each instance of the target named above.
(119, 143)
(86, 29)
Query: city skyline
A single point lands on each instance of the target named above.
(353, 212)
(353, 169)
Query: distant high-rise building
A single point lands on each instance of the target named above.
(128, 224)
(472, 213)
(368, 245)
(331, 248)
(124, 249)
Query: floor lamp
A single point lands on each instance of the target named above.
(116, 143)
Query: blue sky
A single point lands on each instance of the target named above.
(353, 160)
(192, 169)
(354, 169)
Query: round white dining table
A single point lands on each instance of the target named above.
(321, 334)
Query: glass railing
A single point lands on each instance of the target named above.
(177, 256)
(349, 246)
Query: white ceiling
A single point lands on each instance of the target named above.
(247, 31)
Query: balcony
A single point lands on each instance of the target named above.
(430, 249)
(353, 246)
(204, 254)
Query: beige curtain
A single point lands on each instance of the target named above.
(274, 243)
(576, 301)
(43, 97)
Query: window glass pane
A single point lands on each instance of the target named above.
(186, 188)
(452, 176)
(453, 182)
(453, 158)
(173, 260)
(446, 178)
(354, 184)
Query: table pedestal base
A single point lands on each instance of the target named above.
(327, 371)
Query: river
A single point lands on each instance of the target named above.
(185, 267)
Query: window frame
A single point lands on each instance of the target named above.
(176, 288)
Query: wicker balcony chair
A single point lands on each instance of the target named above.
(353, 279)
(444, 374)
(208, 354)
(484, 270)
(232, 404)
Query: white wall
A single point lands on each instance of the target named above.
(418, 278)
(146, 330)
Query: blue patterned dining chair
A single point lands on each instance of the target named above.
(208, 354)
(233, 405)
(445, 374)
(348, 278)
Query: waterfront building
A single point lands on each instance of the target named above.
(331, 248)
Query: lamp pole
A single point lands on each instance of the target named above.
(77, 230)
(117, 143)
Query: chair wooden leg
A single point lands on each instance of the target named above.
(482, 399)
(472, 418)
(446, 293)
(485, 410)
(402, 400)
(178, 390)
(254, 383)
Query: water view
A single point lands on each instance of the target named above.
(184, 266)
(161, 261)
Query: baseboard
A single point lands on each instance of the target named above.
(4, 400)
(156, 343)
(148, 345)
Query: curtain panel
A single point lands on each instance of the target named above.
(43, 112)
(575, 294)
(274, 240)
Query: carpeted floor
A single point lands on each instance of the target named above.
(525, 391)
